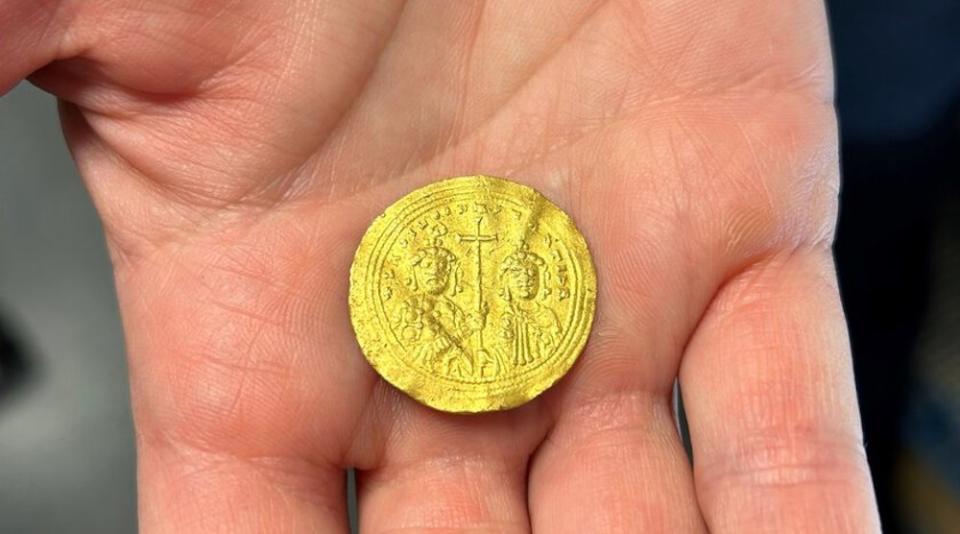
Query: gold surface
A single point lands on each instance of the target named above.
(472, 294)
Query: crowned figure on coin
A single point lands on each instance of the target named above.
(429, 322)
(529, 330)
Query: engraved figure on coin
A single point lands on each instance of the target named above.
(529, 330)
(429, 322)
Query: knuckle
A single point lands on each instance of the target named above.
(780, 457)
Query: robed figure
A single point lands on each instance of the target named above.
(529, 330)
(429, 322)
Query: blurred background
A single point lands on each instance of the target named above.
(898, 247)
(66, 440)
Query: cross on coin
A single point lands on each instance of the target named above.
(478, 238)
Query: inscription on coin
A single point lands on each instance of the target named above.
(472, 294)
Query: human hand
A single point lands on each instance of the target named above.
(236, 151)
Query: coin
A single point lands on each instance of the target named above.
(472, 294)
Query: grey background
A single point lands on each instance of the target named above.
(66, 438)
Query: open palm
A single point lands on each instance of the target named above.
(237, 150)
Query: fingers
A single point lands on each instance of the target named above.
(451, 473)
(770, 399)
(613, 464)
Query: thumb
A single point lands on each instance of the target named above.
(32, 35)
(179, 108)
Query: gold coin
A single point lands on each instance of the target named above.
(472, 294)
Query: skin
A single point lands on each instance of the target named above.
(236, 151)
